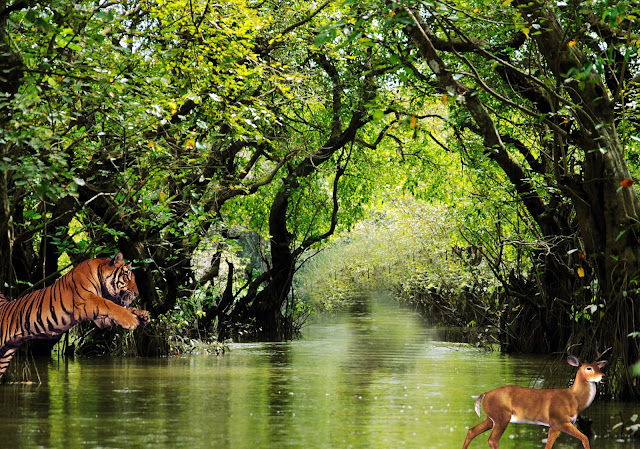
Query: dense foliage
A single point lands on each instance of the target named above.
(417, 252)
(143, 125)
(218, 144)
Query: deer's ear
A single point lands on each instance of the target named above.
(602, 363)
(573, 361)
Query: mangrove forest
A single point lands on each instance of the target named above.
(262, 162)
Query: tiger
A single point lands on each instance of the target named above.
(98, 290)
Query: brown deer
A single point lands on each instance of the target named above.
(557, 408)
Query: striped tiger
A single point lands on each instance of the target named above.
(98, 290)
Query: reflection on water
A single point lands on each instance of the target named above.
(373, 378)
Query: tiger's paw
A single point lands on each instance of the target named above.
(143, 315)
(127, 320)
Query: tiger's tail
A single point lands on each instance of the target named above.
(479, 403)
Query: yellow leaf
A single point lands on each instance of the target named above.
(572, 42)
(412, 122)
(581, 272)
(162, 196)
(444, 98)
(506, 3)
(525, 31)
(151, 144)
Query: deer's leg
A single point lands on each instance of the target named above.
(570, 429)
(551, 438)
(477, 430)
(499, 426)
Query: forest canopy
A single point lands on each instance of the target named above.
(220, 145)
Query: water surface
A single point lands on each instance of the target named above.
(374, 377)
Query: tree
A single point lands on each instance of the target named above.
(547, 97)
(146, 126)
(164, 126)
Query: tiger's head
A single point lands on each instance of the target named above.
(118, 282)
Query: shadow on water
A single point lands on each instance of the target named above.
(372, 377)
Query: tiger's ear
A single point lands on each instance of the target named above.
(119, 258)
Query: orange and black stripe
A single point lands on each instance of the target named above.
(99, 290)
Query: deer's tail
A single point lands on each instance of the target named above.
(479, 403)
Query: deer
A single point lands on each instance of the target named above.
(557, 408)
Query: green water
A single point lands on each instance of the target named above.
(375, 377)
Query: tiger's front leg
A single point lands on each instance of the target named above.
(143, 318)
(104, 312)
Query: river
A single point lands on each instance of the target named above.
(373, 377)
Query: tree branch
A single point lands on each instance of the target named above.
(16, 6)
(340, 170)
(490, 135)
